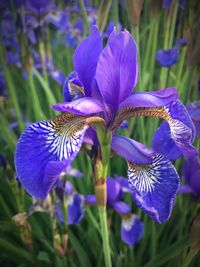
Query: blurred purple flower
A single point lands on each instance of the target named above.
(132, 230)
(191, 172)
(167, 3)
(167, 58)
(75, 206)
(194, 111)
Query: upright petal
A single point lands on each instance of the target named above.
(86, 57)
(75, 208)
(117, 69)
(131, 150)
(132, 230)
(154, 187)
(46, 148)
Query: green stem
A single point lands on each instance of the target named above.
(101, 191)
(104, 234)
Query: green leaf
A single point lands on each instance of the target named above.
(169, 253)
(80, 250)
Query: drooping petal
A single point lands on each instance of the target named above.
(154, 187)
(131, 150)
(46, 148)
(132, 230)
(164, 144)
(72, 87)
(75, 208)
(167, 58)
(150, 99)
(86, 57)
(81, 106)
(121, 207)
(117, 69)
(181, 126)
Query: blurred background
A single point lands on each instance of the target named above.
(37, 42)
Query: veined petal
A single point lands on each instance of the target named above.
(86, 57)
(181, 126)
(164, 144)
(46, 148)
(81, 106)
(154, 187)
(132, 229)
(131, 150)
(117, 69)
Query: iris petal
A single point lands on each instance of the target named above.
(154, 187)
(75, 208)
(132, 230)
(116, 83)
(81, 106)
(181, 126)
(121, 207)
(72, 87)
(86, 57)
(164, 144)
(46, 148)
(131, 150)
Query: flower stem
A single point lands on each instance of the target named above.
(101, 191)
(105, 236)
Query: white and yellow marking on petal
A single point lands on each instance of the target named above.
(64, 134)
(145, 177)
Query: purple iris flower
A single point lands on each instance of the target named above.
(194, 111)
(132, 229)
(191, 172)
(106, 81)
(75, 206)
(163, 142)
(169, 57)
